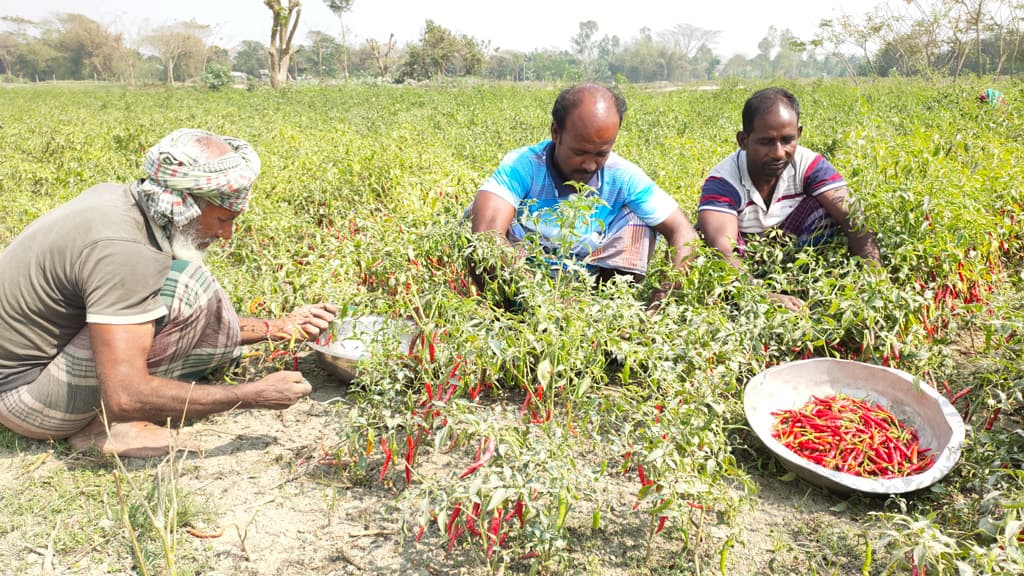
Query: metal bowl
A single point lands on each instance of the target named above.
(914, 402)
(339, 349)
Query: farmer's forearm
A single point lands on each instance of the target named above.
(862, 243)
(155, 399)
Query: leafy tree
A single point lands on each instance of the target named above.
(87, 48)
(640, 60)
(737, 66)
(441, 53)
(553, 66)
(282, 32)
(12, 43)
(583, 42)
(339, 7)
(789, 56)
(323, 55)
(251, 57)
(181, 49)
(506, 65)
(218, 55)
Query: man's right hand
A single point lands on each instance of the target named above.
(275, 391)
(788, 302)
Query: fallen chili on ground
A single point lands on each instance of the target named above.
(852, 436)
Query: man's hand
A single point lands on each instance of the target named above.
(275, 391)
(681, 238)
(306, 322)
(788, 302)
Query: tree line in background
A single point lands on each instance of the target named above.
(899, 38)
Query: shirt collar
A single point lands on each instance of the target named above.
(755, 196)
(564, 189)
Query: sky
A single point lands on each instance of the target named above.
(522, 25)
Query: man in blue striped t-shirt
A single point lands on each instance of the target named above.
(617, 235)
(772, 182)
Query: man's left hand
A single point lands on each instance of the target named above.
(307, 322)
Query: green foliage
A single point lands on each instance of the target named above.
(441, 53)
(217, 76)
(360, 203)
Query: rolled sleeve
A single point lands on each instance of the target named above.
(121, 282)
(718, 195)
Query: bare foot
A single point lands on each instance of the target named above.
(128, 439)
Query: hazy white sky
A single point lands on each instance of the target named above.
(513, 24)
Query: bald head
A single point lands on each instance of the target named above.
(585, 123)
(206, 147)
(596, 100)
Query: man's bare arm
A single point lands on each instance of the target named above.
(130, 393)
(720, 231)
(681, 236)
(844, 212)
(491, 213)
(304, 323)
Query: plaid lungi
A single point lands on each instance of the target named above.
(809, 222)
(628, 246)
(200, 334)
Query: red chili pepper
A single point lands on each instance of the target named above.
(492, 532)
(483, 458)
(387, 458)
(455, 368)
(526, 404)
(661, 524)
(851, 436)
(518, 512)
(644, 481)
(960, 394)
(451, 390)
(410, 455)
(453, 531)
(992, 419)
(471, 519)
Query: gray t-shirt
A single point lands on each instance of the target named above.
(96, 259)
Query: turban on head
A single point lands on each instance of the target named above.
(180, 168)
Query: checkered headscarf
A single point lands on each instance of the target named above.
(177, 172)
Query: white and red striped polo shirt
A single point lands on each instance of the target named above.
(729, 189)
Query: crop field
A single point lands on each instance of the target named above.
(569, 432)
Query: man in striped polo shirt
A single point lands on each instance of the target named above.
(773, 182)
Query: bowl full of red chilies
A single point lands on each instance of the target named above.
(849, 426)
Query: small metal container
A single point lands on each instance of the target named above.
(339, 349)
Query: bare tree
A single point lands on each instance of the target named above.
(970, 18)
(382, 54)
(286, 21)
(1005, 24)
(339, 7)
(688, 39)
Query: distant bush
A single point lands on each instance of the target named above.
(216, 76)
